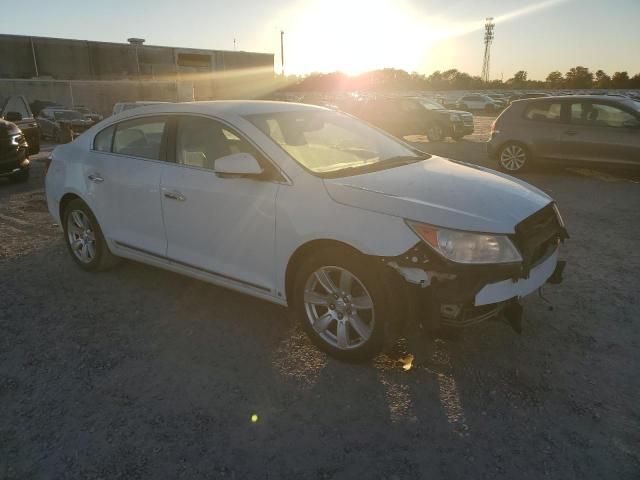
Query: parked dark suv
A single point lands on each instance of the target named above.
(579, 128)
(14, 162)
(402, 116)
(15, 109)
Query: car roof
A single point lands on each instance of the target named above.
(221, 108)
(571, 98)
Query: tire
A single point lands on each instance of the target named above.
(514, 157)
(457, 137)
(434, 132)
(349, 327)
(20, 177)
(34, 145)
(80, 225)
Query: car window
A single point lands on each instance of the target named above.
(330, 143)
(141, 137)
(548, 112)
(600, 114)
(102, 141)
(200, 141)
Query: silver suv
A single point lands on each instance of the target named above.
(578, 128)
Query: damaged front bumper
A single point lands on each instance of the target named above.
(441, 293)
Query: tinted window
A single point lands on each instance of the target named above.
(599, 114)
(102, 142)
(200, 141)
(140, 138)
(549, 112)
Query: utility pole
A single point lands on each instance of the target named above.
(488, 38)
(282, 49)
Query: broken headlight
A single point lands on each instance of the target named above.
(468, 247)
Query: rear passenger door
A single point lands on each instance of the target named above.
(140, 147)
(602, 132)
(544, 126)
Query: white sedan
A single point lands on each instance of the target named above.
(303, 206)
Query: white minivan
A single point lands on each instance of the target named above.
(304, 206)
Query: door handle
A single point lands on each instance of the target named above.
(95, 178)
(570, 132)
(175, 196)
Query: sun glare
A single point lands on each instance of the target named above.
(353, 36)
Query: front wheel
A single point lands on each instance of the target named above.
(342, 303)
(513, 158)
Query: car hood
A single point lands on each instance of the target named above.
(443, 193)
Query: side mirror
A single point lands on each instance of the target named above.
(13, 116)
(237, 164)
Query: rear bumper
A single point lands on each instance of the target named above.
(492, 150)
(462, 129)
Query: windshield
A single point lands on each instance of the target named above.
(67, 115)
(429, 105)
(333, 144)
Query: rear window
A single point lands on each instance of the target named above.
(140, 138)
(546, 112)
(102, 142)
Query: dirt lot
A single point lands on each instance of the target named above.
(140, 373)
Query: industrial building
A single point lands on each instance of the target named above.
(64, 59)
(99, 74)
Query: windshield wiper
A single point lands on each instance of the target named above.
(402, 160)
(375, 166)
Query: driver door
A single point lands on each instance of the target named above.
(222, 226)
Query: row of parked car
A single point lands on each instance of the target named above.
(21, 130)
(532, 127)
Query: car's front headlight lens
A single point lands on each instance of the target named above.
(468, 247)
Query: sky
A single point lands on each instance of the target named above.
(358, 35)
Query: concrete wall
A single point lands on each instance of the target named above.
(99, 96)
(64, 59)
(102, 95)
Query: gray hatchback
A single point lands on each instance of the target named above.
(577, 128)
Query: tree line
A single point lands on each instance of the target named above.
(394, 79)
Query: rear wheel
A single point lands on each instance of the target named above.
(513, 158)
(342, 304)
(84, 238)
(434, 132)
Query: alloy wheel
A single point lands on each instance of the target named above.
(81, 236)
(513, 157)
(339, 307)
(434, 133)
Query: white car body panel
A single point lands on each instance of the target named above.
(242, 233)
(507, 289)
(223, 225)
(443, 193)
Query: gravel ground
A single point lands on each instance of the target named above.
(141, 373)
